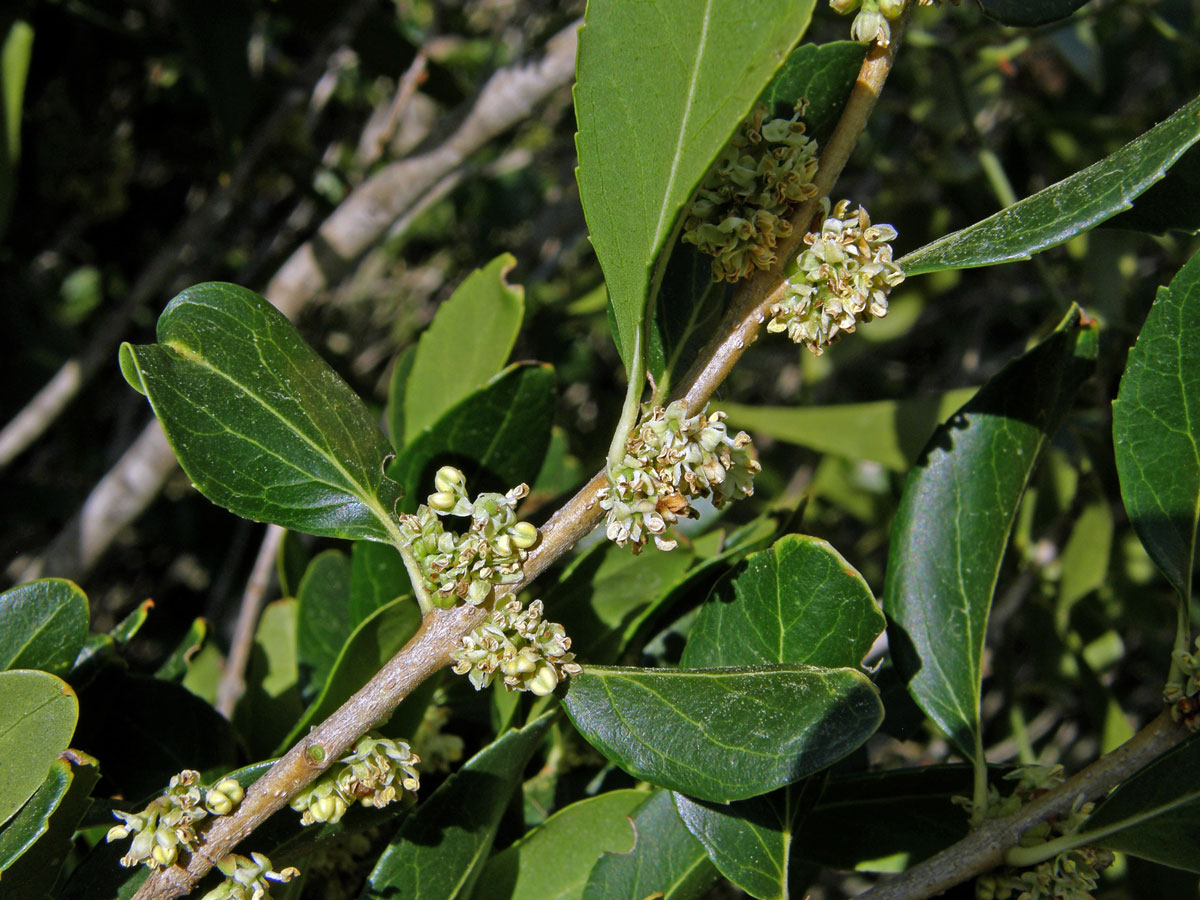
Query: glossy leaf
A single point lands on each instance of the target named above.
(686, 76)
(466, 344)
(126, 630)
(38, 712)
(953, 523)
(1029, 12)
(666, 862)
(43, 625)
(363, 654)
(799, 603)
(497, 435)
(260, 423)
(1156, 429)
(35, 844)
(1156, 813)
(889, 432)
(822, 75)
(553, 861)
(442, 847)
(723, 734)
(323, 621)
(1063, 210)
(271, 703)
(377, 577)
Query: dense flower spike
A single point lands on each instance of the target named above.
(747, 199)
(670, 459)
(168, 824)
(841, 278)
(531, 653)
(491, 552)
(369, 775)
(248, 878)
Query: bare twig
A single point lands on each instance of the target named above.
(232, 682)
(382, 127)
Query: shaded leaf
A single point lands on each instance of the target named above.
(953, 523)
(271, 703)
(393, 414)
(1172, 204)
(1156, 429)
(723, 734)
(1029, 12)
(323, 621)
(38, 712)
(442, 847)
(377, 577)
(1063, 210)
(553, 861)
(821, 74)
(260, 423)
(497, 435)
(889, 432)
(175, 666)
(43, 625)
(467, 343)
(799, 602)
(666, 862)
(126, 630)
(685, 77)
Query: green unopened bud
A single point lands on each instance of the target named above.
(231, 788)
(443, 501)
(478, 592)
(448, 479)
(544, 682)
(892, 8)
(164, 856)
(524, 535)
(218, 802)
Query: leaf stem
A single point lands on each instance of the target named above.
(980, 798)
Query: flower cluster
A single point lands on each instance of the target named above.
(871, 23)
(841, 278)
(168, 824)
(1184, 698)
(248, 879)
(531, 653)
(369, 775)
(492, 551)
(747, 198)
(670, 459)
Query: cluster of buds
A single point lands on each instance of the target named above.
(490, 552)
(248, 879)
(747, 199)
(529, 652)
(670, 459)
(841, 278)
(168, 824)
(1071, 875)
(872, 21)
(1184, 698)
(369, 775)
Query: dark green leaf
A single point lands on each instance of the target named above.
(954, 520)
(377, 577)
(365, 651)
(271, 703)
(1172, 204)
(497, 435)
(666, 862)
(35, 844)
(1029, 12)
(467, 343)
(688, 308)
(686, 77)
(889, 432)
(821, 74)
(799, 603)
(1156, 428)
(442, 847)
(553, 861)
(393, 414)
(260, 423)
(291, 562)
(723, 734)
(38, 712)
(323, 621)
(42, 625)
(175, 666)
(1063, 210)
(125, 630)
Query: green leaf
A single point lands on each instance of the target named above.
(1156, 429)
(126, 630)
(271, 703)
(553, 861)
(260, 423)
(666, 862)
(377, 577)
(1061, 211)
(723, 734)
(175, 666)
(1029, 12)
(35, 844)
(393, 414)
(467, 343)
(821, 74)
(323, 622)
(442, 847)
(497, 435)
(43, 625)
(889, 432)
(799, 603)
(953, 523)
(686, 75)
(38, 712)
(1172, 204)
(363, 654)
(1156, 813)
(1086, 554)
(291, 562)
(15, 56)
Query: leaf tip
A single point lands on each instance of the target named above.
(130, 369)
